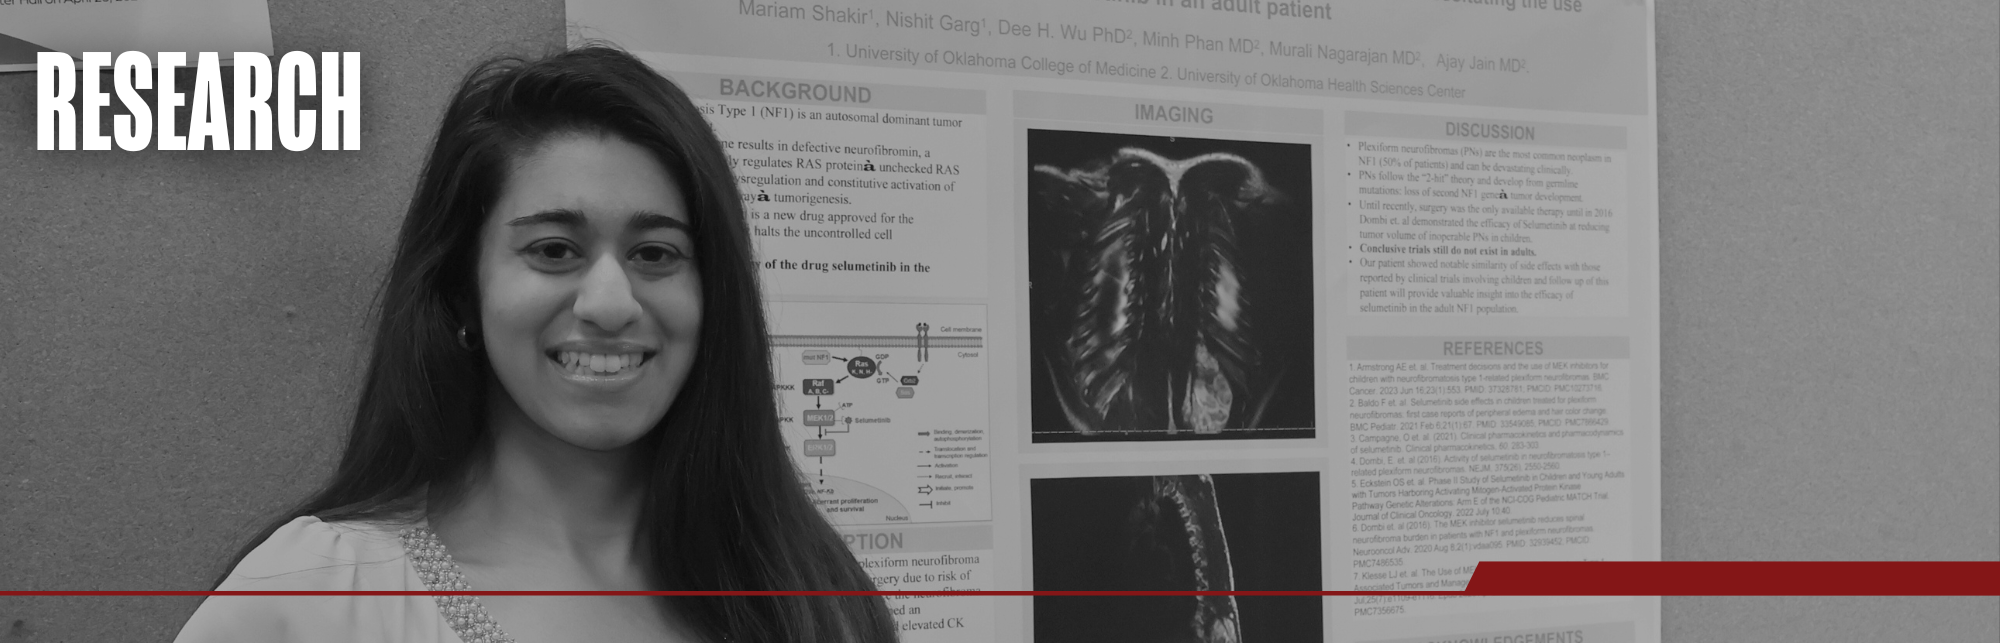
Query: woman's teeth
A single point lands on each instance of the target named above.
(598, 363)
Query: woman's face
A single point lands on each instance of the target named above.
(589, 299)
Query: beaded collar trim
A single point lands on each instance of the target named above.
(441, 574)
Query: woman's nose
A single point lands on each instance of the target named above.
(606, 297)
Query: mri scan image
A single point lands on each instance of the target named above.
(1170, 533)
(1170, 287)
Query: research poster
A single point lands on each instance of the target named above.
(1203, 295)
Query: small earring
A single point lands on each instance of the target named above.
(466, 340)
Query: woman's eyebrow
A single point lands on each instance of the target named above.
(565, 218)
(644, 220)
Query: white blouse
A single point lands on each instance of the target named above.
(308, 554)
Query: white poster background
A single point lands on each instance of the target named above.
(1482, 335)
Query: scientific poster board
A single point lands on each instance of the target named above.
(1203, 294)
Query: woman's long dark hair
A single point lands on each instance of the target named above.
(724, 509)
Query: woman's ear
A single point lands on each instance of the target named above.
(465, 314)
(462, 297)
(461, 311)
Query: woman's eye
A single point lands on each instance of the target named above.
(551, 254)
(658, 258)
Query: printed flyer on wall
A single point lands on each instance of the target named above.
(1203, 295)
(28, 27)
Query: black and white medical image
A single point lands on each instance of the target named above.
(1220, 532)
(1170, 288)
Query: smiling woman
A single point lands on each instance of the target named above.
(569, 389)
(590, 300)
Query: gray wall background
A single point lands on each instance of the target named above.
(179, 332)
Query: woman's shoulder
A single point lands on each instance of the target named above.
(313, 555)
(309, 554)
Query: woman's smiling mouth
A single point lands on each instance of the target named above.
(598, 366)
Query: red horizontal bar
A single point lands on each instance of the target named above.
(1493, 578)
(732, 593)
(1735, 578)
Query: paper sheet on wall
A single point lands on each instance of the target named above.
(1203, 294)
(28, 27)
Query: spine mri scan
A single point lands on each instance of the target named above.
(1153, 292)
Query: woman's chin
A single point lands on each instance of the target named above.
(598, 433)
